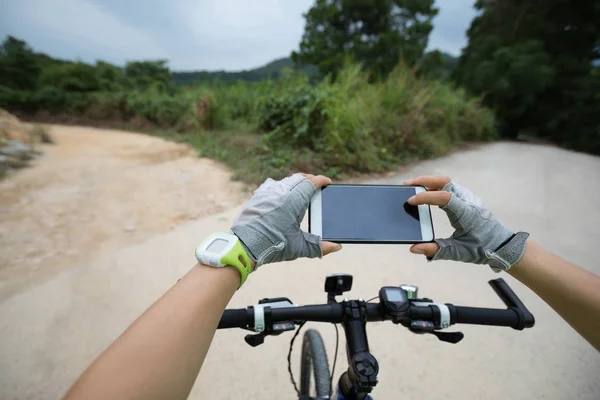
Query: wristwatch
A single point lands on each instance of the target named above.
(221, 249)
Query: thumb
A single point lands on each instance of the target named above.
(329, 247)
(428, 249)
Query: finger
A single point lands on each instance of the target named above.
(329, 247)
(438, 198)
(427, 249)
(319, 181)
(429, 181)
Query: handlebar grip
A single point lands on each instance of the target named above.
(236, 318)
(512, 301)
(484, 316)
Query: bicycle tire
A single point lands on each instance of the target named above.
(314, 360)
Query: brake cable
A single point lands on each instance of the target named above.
(289, 357)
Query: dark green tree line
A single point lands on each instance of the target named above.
(19, 68)
(536, 63)
(23, 69)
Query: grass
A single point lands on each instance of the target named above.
(250, 160)
(40, 133)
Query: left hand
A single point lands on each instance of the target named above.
(269, 224)
(479, 238)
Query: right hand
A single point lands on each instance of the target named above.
(478, 238)
(269, 224)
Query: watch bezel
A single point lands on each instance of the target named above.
(214, 259)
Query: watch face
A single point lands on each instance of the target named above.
(217, 246)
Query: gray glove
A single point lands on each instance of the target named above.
(479, 237)
(269, 224)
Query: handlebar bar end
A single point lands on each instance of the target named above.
(512, 301)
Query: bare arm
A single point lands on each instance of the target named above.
(160, 354)
(572, 292)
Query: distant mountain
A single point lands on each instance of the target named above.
(273, 70)
(449, 61)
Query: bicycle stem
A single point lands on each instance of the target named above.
(362, 366)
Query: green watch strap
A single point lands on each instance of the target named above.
(239, 259)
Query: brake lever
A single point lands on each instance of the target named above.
(449, 337)
(276, 329)
(255, 340)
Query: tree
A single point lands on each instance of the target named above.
(70, 77)
(378, 33)
(148, 73)
(110, 77)
(535, 63)
(19, 67)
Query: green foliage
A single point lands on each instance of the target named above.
(18, 66)
(236, 105)
(145, 74)
(353, 125)
(293, 113)
(376, 33)
(536, 65)
(436, 65)
(71, 77)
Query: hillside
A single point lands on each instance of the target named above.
(273, 69)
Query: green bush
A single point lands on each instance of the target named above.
(293, 113)
(355, 125)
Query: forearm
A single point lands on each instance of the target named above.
(572, 292)
(160, 354)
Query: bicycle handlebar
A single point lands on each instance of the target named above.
(397, 304)
(511, 317)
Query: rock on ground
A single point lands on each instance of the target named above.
(16, 142)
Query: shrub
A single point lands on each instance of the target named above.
(355, 125)
(293, 113)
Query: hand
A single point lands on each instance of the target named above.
(478, 237)
(269, 224)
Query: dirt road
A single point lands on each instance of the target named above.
(97, 190)
(50, 331)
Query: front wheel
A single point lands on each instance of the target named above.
(314, 363)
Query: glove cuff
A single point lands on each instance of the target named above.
(258, 247)
(510, 253)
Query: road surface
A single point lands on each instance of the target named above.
(50, 331)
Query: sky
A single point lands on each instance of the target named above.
(192, 34)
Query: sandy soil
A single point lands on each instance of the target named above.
(97, 190)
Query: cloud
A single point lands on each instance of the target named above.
(78, 29)
(191, 34)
